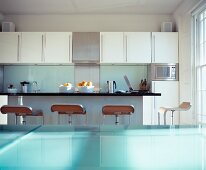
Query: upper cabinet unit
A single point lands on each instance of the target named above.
(164, 47)
(31, 47)
(86, 47)
(9, 47)
(112, 47)
(138, 47)
(58, 47)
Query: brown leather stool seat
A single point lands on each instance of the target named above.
(68, 109)
(21, 111)
(117, 110)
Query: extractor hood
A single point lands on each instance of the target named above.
(86, 47)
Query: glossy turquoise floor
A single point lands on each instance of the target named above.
(106, 147)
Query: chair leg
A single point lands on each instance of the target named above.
(103, 120)
(43, 119)
(116, 119)
(85, 119)
(23, 120)
(129, 119)
(58, 120)
(165, 118)
(70, 119)
(158, 118)
(15, 119)
(172, 117)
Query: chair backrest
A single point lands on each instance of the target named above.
(68, 108)
(117, 109)
(18, 110)
(185, 106)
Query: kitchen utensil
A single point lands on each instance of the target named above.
(111, 86)
(24, 86)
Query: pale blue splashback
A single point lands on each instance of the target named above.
(47, 77)
(50, 77)
(116, 72)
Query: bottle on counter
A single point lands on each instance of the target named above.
(143, 85)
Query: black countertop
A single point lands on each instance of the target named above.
(82, 94)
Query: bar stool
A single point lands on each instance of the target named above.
(22, 111)
(118, 110)
(184, 106)
(69, 109)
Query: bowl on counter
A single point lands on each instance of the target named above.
(86, 89)
(66, 89)
(12, 90)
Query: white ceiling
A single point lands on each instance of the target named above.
(88, 6)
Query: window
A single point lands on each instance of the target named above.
(201, 66)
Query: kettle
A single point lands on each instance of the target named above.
(111, 86)
(24, 86)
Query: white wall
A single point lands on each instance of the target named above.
(183, 20)
(88, 22)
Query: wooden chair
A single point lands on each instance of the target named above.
(22, 111)
(117, 110)
(68, 109)
(184, 106)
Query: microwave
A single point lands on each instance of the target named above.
(163, 71)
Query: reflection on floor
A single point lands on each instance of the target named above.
(107, 147)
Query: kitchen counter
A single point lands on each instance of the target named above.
(81, 94)
(93, 102)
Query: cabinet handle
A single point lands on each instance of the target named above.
(43, 48)
(154, 48)
(126, 47)
(42, 52)
(18, 49)
(69, 48)
(101, 48)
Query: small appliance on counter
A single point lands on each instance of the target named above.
(111, 86)
(24, 86)
(11, 89)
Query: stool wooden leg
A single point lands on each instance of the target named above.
(58, 119)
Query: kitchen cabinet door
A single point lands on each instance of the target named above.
(138, 47)
(164, 47)
(58, 47)
(169, 98)
(112, 47)
(9, 47)
(31, 47)
(3, 117)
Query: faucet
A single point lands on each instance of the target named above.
(35, 87)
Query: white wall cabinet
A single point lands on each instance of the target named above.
(31, 47)
(138, 47)
(112, 47)
(58, 47)
(164, 47)
(9, 47)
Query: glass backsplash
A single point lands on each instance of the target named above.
(50, 77)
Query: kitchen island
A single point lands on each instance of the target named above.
(93, 103)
